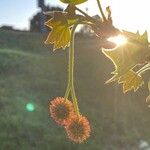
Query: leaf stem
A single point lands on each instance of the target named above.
(143, 69)
(89, 18)
(75, 102)
(101, 10)
(67, 92)
(70, 87)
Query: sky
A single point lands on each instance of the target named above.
(131, 15)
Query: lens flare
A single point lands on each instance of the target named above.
(118, 40)
(30, 107)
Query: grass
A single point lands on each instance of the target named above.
(31, 73)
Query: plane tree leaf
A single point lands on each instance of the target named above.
(131, 81)
(128, 56)
(60, 31)
(74, 2)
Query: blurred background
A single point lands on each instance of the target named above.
(31, 74)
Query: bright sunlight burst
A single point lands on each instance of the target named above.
(118, 40)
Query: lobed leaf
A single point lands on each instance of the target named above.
(60, 33)
(131, 80)
(127, 56)
(59, 36)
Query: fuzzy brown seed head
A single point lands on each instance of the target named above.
(61, 110)
(78, 129)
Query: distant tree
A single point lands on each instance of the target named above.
(6, 27)
(35, 21)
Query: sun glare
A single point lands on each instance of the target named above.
(125, 13)
(118, 40)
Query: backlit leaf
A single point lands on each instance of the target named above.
(74, 2)
(127, 56)
(60, 33)
(131, 80)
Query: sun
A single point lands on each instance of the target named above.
(118, 40)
